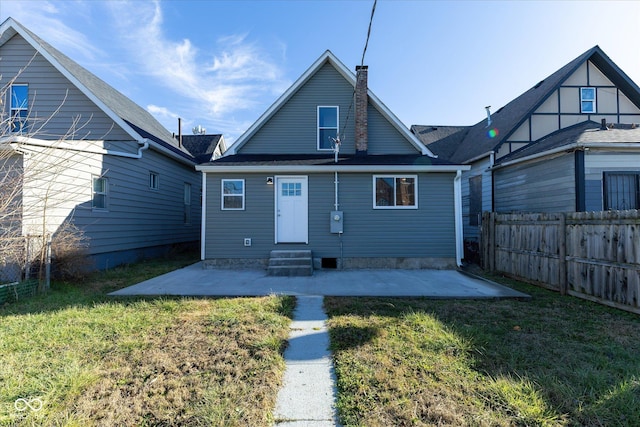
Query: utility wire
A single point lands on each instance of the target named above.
(366, 44)
(373, 10)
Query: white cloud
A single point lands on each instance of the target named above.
(161, 112)
(46, 20)
(235, 76)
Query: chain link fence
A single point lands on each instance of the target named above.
(25, 266)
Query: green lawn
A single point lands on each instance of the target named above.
(551, 361)
(93, 360)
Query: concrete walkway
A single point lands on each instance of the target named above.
(308, 394)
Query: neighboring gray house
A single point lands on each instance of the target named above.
(547, 150)
(204, 148)
(92, 157)
(383, 200)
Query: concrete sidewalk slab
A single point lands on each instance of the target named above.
(197, 281)
(308, 394)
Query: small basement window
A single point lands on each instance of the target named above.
(331, 263)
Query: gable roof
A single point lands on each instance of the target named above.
(443, 140)
(330, 58)
(203, 147)
(133, 119)
(477, 143)
(580, 136)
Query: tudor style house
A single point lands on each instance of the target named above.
(89, 156)
(571, 143)
(339, 178)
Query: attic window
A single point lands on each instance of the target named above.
(19, 107)
(587, 99)
(327, 127)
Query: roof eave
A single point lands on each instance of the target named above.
(330, 168)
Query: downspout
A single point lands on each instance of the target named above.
(457, 195)
(203, 221)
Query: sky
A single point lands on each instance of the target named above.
(221, 64)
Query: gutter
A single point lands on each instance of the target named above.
(330, 168)
(481, 156)
(567, 148)
(18, 141)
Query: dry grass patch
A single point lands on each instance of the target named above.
(551, 361)
(171, 362)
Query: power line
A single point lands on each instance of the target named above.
(373, 10)
(366, 44)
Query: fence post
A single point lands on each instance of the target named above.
(562, 253)
(492, 242)
(27, 258)
(47, 277)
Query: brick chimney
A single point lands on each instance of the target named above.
(361, 110)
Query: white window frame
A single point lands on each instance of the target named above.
(14, 112)
(319, 128)
(104, 193)
(154, 180)
(395, 178)
(592, 101)
(223, 196)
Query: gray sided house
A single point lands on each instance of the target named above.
(91, 157)
(328, 168)
(568, 144)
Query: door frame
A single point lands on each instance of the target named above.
(276, 181)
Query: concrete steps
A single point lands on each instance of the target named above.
(290, 263)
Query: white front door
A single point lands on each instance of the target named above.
(292, 216)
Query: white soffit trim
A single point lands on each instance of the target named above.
(332, 168)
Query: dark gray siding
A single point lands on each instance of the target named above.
(138, 216)
(53, 97)
(593, 195)
(292, 129)
(543, 186)
(479, 168)
(425, 232)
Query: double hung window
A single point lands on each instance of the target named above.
(233, 194)
(19, 103)
(327, 127)
(100, 192)
(587, 99)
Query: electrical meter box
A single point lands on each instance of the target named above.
(337, 221)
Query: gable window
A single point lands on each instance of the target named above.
(233, 194)
(395, 192)
(475, 200)
(99, 199)
(587, 99)
(621, 190)
(327, 127)
(154, 180)
(187, 203)
(19, 107)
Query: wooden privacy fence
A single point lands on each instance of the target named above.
(591, 255)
